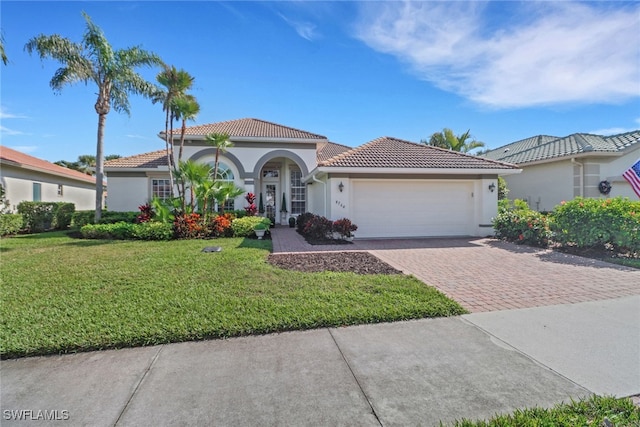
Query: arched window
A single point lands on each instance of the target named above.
(224, 174)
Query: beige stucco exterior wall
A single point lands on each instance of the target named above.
(127, 192)
(544, 185)
(18, 185)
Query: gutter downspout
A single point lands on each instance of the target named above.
(573, 160)
(313, 177)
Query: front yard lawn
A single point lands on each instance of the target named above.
(63, 295)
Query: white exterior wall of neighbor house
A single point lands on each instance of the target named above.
(557, 179)
(18, 185)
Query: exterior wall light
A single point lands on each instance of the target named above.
(492, 187)
(341, 186)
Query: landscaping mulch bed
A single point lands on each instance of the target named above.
(354, 262)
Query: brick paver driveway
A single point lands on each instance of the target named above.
(488, 275)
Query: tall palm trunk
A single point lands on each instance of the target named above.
(102, 118)
(166, 142)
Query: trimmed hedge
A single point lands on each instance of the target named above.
(243, 227)
(82, 218)
(10, 224)
(583, 223)
(125, 230)
(41, 216)
(598, 222)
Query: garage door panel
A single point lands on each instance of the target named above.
(412, 208)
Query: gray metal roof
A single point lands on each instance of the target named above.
(543, 147)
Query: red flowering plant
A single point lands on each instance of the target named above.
(146, 213)
(188, 226)
(344, 227)
(251, 209)
(220, 226)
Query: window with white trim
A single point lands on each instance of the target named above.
(225, 174)
(298, 193)
(161, 188)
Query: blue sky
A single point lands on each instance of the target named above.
(352, 71)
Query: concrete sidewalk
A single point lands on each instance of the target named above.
(407, 373)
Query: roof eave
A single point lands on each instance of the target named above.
(252, 139)
(88, 180)
(412, 171)
(565, 157)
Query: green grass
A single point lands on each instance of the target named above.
(586, 412)
(63, 295)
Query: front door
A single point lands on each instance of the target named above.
(270, 192)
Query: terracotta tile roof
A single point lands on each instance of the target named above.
(16, 158)
(548, 147)
(388, 152)
(250, 128)
(328, 150)
(144, 160)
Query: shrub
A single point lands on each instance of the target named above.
(345, 227)
(302, 220)
(189, 226)
(127, 230)
(118, 231)
(243, 227)
(598, 222)
(153, 231)
(10, 224)
(251, 208)
(63, 214)
(146, 213)
(41, 216)
(522, 225)
(220, 226)
(82, 218)
(318, 227)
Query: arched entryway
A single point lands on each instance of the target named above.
(278, 183)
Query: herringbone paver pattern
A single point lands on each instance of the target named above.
(490, 275)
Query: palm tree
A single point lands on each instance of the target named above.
(221, 142)
(195, 175)
(186, 108)
(3, 55)
(226, 190)
(95, 60)
(176, 83)
(448, 140)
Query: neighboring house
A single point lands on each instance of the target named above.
(27, 178)
(556, 169)
(388, 187)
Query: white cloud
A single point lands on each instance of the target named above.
(306, 30)
(4, 114)
(617, 130)
(136, 136)
(551, 53)
(10, 132)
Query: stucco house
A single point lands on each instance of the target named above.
(561, 168)
(388, 187)
(28, 178)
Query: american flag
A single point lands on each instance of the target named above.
(633, 176)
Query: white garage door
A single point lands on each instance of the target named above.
(412, 208)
